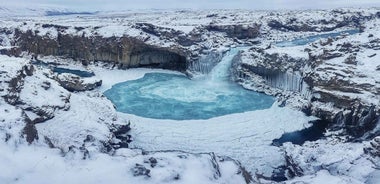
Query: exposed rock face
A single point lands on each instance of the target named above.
(34, 93)
(170, 34)
(237, 31)
(324, 25)
(140, 170)
(30, 132)
(334, 155)
(125, 52)
(121, 134)
(329, 92)
(154, 160)
(15, 85)
(72, 82)
(205, 63)
(373, 147)
(271, 70)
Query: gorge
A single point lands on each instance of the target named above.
(168, 96)
(228, 93)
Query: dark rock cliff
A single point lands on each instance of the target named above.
(325, 98)
(321, 25)
(125, 52)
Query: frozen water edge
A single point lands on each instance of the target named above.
(112, 77)
(244, 136)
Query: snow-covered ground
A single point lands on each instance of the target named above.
(246, 137)
(76, 135)
(39, 164)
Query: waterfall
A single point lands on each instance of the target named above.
(215, 66)
(205, 64)
(221, 71)
(201, 67)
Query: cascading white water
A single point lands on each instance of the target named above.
(206, 63)
(221, 72)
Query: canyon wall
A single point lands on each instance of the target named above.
(332, 99)
(124, 52)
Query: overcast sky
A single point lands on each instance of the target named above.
(93, 5)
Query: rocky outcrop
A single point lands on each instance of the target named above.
(121, 134)
(331, 154)
(237, 31)
(320, 25)
(373, 148)
(16, 83)
(325, 91)
(124, 52)
(170, 34)
(215, 163)
(14, 88)
(30, 132)
(72, 82)
(205, 63)
(274, 70)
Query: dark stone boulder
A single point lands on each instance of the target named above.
(140, 170)
(29, 70)
(30, 132)
(152, 161)
(121, 134)
(351, 60)
(373, 148)
(40, 114)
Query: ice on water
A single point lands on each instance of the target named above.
(172, 96)
(310, 39)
